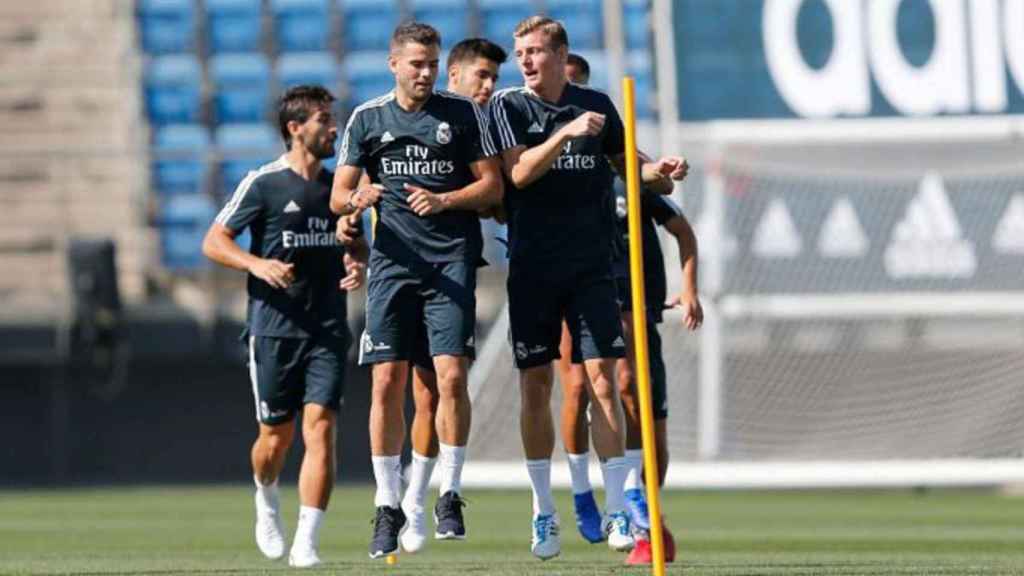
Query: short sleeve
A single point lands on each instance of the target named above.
(245, 205)
(479, 133)
(614, 134)
(509, 121)
(660, 207)
(352, 152)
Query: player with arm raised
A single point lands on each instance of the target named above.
(553, 137)
(296, 323)
(432, 155)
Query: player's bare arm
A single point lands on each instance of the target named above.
(659, 175)
(219, 245)
(687, 299)
(526, 165)
(348, 195)
(485, 191)
(356, 257)
(349, 227)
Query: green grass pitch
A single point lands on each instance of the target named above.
(209, 531)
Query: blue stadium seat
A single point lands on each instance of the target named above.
(301, 25)
(368, 24)
(638, 65)
(183, 222)
(583, 21)
(450, 17)
(167, 26)
(234, 25)
(241, 85)
(367, 76)
(244, 147)
(636, 24)
(172, 89)
(180, 161)
(308, 68)
(499, 19)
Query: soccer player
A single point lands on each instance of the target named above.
(554, 137)
(472, 72)
(297, 333)
(432, 154)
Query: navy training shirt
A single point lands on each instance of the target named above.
(562, 218)
(289, 219)
(431, 148)
(654, 209)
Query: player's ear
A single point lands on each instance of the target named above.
(453, 73)
(393, 62)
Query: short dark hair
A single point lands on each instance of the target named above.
(415, 33)
(298, 104)
(579, 62)
(473, 48)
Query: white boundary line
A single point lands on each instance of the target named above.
(781, 474)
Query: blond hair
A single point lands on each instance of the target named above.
(552, 29)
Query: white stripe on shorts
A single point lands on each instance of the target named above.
(253, 375)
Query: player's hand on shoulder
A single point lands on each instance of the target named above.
(349, 228)
(424, 202)
(674, 167)
(586, 124)
(355, 273)
(693, 312)
(274, 272)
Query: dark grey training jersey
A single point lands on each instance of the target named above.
(564, 217)
(654, 209)
(431, 148)
(290, 220)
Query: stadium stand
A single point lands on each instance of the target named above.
(172, 88)
(301, 25)
(636, 24)
(241, 85)
(498, 18)
(308, 68)
(583, 20)
(244, 147)
(367, 76)
(450, 17)
(234, 25)
(368, 23)
(183, 222)
(180, 159)
(167, 26)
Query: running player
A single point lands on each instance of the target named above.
(554, 138)
(296, 327)
(432, 155)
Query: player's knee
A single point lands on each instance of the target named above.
(388, 389)
(604, 391)
(452, 385)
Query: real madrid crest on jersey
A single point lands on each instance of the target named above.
(444, 133)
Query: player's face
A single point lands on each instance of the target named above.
(542, 67)
(415, 69)
(475, 79)
(318, 133)
(575, 75)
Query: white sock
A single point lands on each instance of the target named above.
(614, 476)
(387, 470)
(307, 533)
(635, 466)
(267, 494)
(419, 480)
(579, 472)
(452, 458)
(540, 479)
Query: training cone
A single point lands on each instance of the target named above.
(643, 554)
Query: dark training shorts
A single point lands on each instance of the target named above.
(409, 305)
(288, 373)
(659, 380)
(538, 299)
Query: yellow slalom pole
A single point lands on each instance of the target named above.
(642, 368)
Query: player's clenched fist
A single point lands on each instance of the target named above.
(355, 274)
(274, 272)
(674, 167)
(366, 197)
(586, 124)
(422, 201)
(349, 228)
